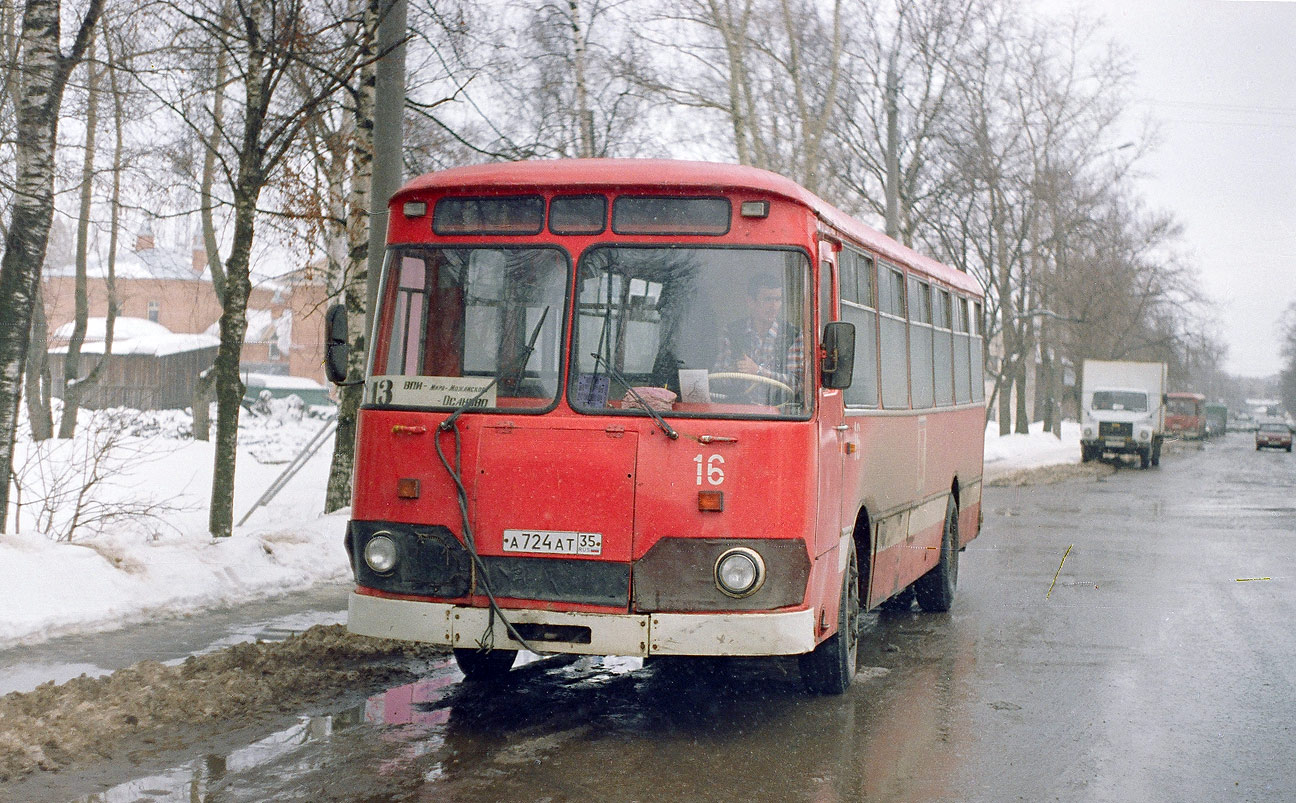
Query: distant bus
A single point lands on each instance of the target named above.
(1217, 416)
(1186, 415)
(657, 408)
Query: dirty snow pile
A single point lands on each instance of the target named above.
(112, 524)
(135, 546)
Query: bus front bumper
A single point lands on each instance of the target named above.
(749, 634)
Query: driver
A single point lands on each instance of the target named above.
(763, 343)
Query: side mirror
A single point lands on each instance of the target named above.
(838, 366)
(335, 344)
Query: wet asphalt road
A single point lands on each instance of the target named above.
(1160, 666)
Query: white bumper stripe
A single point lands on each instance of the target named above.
(782, 633)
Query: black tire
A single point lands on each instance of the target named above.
(1086, 454)
(1145, 457)
(485, 665)
(1156, 453)
(899, 603)
(832, 666)
(935, 589)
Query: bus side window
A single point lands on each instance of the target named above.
(942, 349)
(893, 338)
(920, 342)
(860, 310)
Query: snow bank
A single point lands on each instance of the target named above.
(141, 569)
(1004, 455)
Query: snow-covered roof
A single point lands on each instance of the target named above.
(133, 336)
(149, 263)
(284, 381)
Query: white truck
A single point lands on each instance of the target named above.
(1122, 407)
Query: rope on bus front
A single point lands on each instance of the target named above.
(451, 425)
(479, 568)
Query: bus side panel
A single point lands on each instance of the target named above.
(907, 465)
(960, 448)
(882, 478)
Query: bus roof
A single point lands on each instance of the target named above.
(613, 175)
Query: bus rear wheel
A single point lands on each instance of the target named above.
(935, 589)
(485, 664)
(831, 667)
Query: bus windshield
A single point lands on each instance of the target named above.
(457, 323)
(1128, 400)
(702, 331)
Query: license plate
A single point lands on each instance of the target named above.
(1116, 444)
(553, 542)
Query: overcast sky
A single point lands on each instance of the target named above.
(1220, 76)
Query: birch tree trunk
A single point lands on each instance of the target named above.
(39, 381)
(356, 273)
(44, 75)
(584, 114)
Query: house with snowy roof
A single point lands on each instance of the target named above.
(149, 367)
(172, 287)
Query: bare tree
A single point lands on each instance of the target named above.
(44, 73)
(771, 70)
(1287, 376)
(287, 58)
(76, 386)
(898, 104)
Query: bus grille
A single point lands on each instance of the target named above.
(1115, 429)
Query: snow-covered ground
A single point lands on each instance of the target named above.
(161, 562)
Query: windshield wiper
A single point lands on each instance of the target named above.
(656, 416)
(521, 362)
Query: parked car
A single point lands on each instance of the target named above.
(1273, 435)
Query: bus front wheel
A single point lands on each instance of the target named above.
(935, 589)
(485, 664)
(831, 667)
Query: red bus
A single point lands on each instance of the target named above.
(636, 407)
(1186, 415)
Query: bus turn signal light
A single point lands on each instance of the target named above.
(407, 488)
(711, 501)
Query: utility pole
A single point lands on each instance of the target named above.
(893, 145)
(389, 109)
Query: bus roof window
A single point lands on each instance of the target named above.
(578, 214)
(642, 215)
(512, 214)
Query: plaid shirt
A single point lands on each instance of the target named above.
(779, 352)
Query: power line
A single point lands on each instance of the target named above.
(1224, 107)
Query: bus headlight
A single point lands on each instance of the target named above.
(740, 572)
(1088, 433)
(1145, 434)
(380, 554)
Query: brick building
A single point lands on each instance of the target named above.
(172, 287)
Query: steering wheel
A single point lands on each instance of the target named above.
(757, 378)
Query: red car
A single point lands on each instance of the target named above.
(1274, 435)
